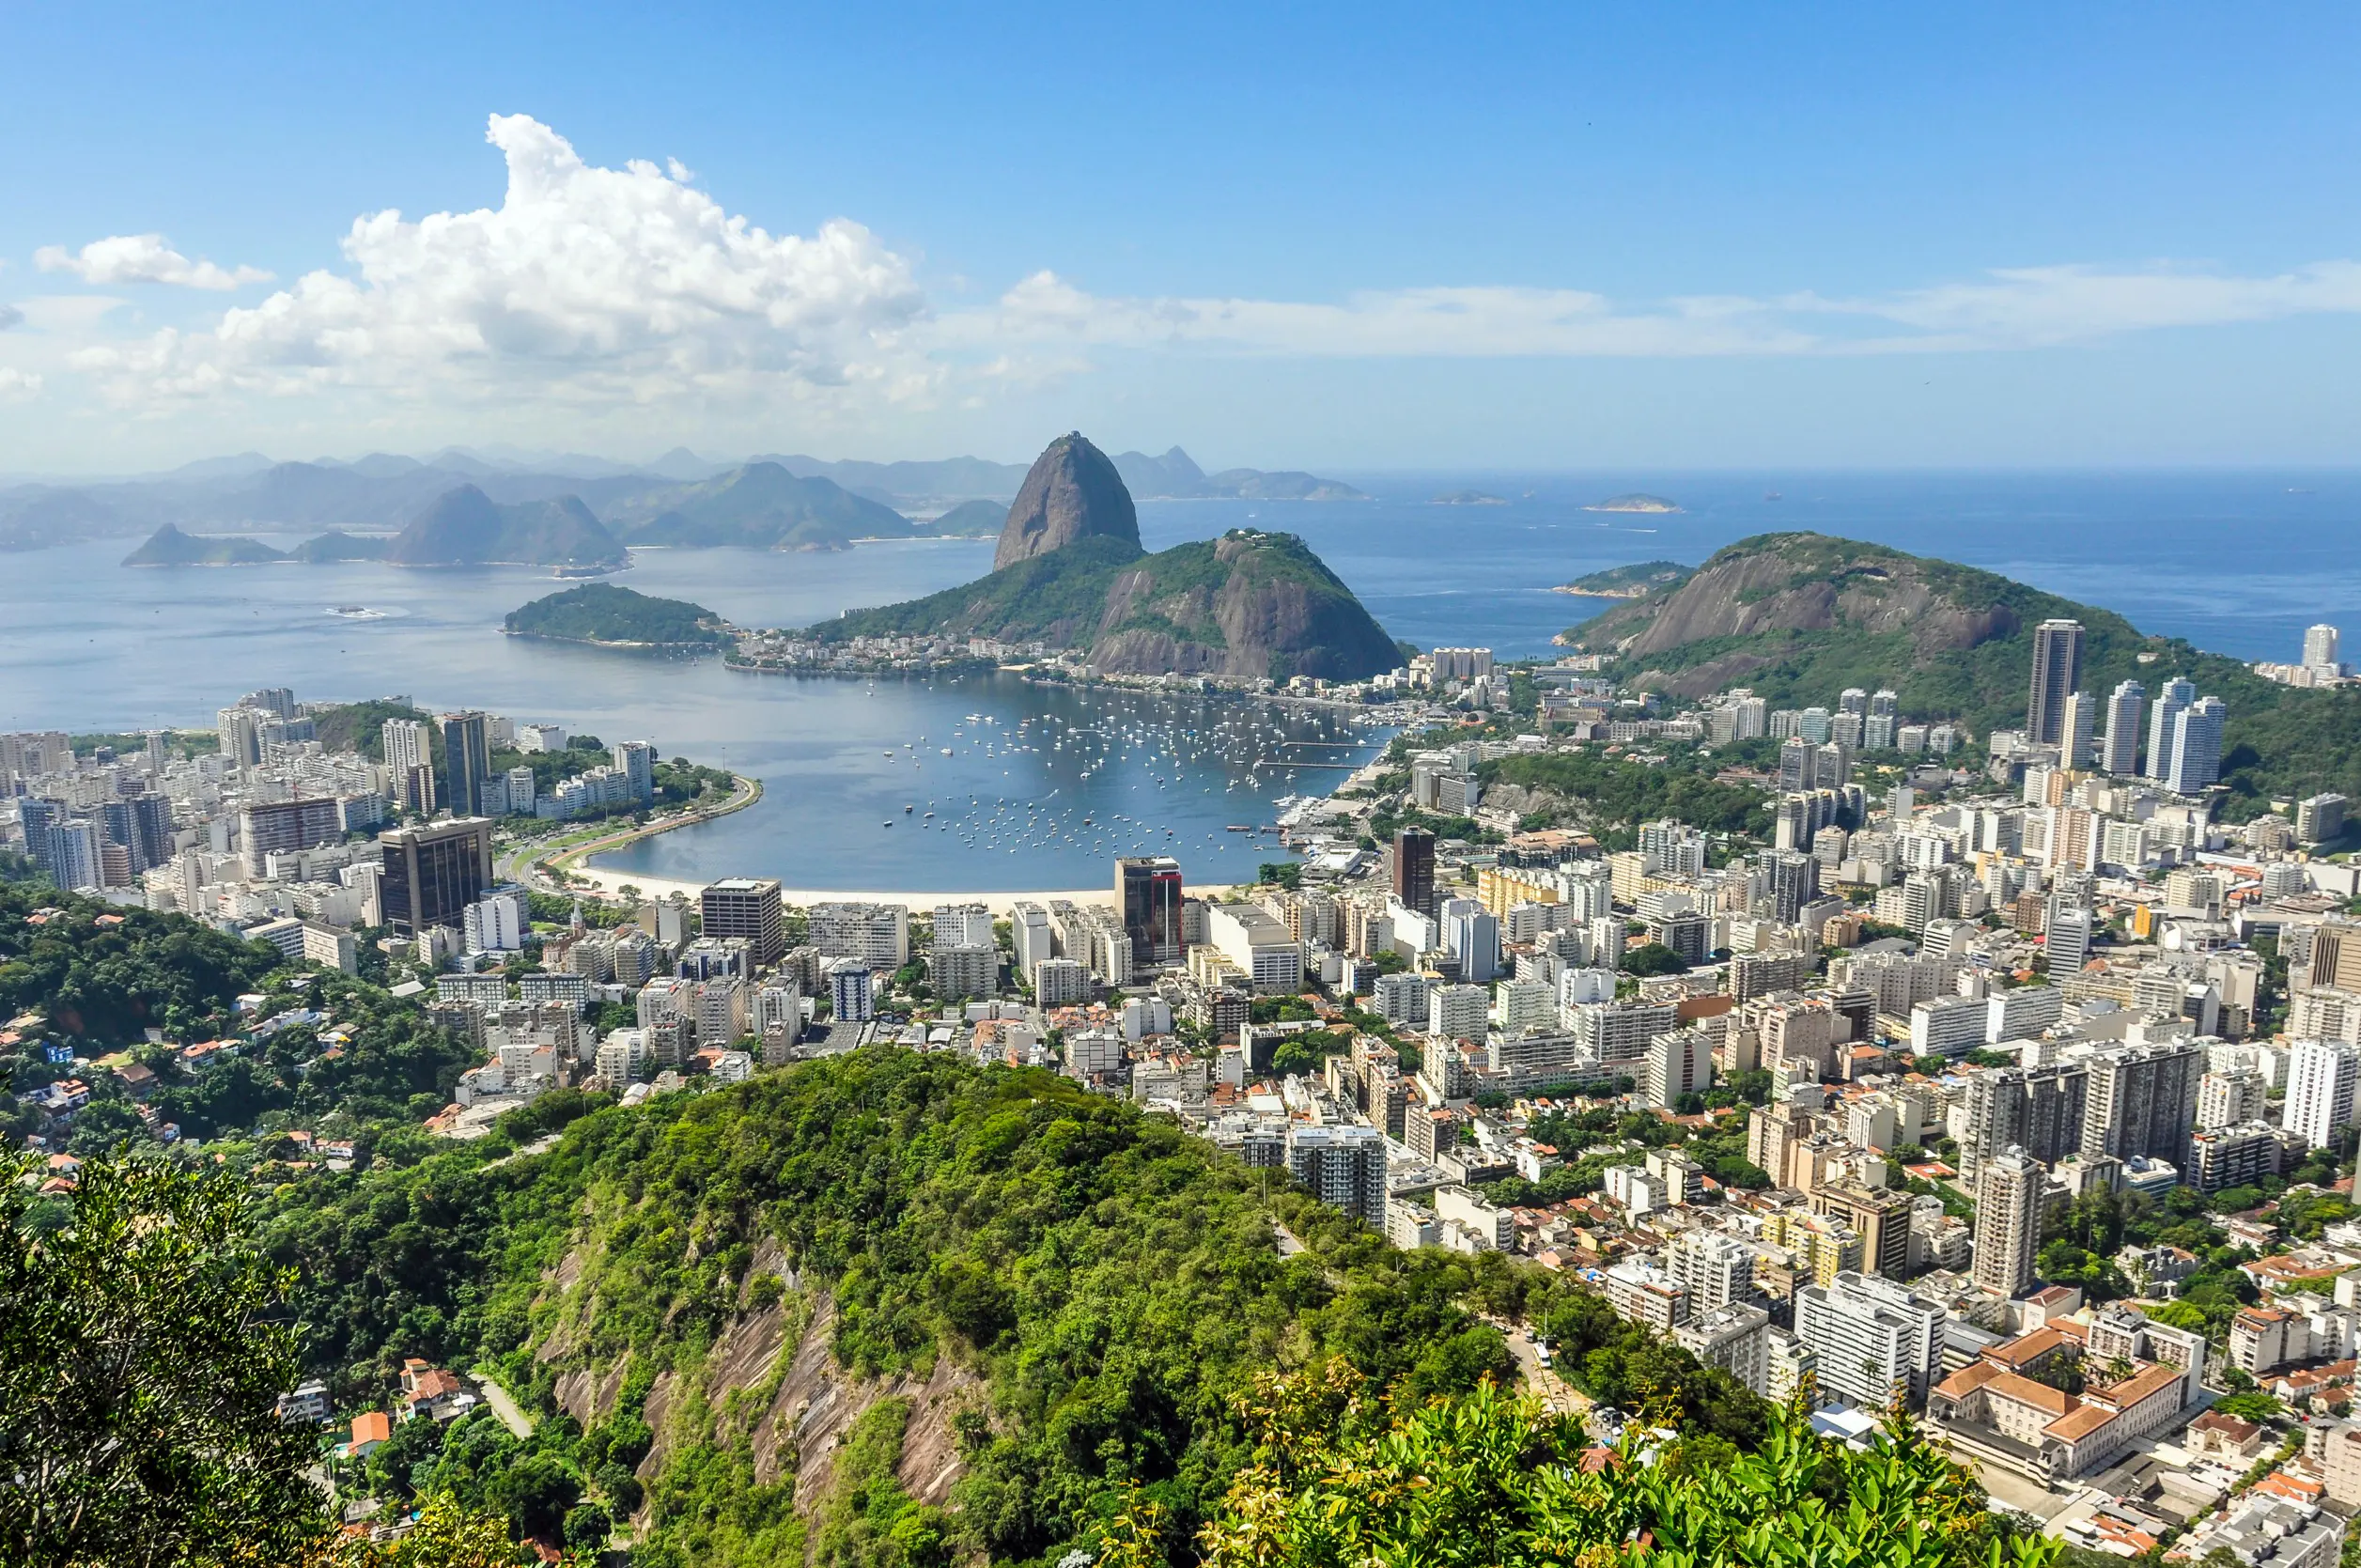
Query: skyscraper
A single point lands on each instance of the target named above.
(2120, 753)
(434, 872)
(637, 760)
(238, 732)
(2007, 1223)
(2057, 675)
(1414, 869)
(2320, 647)
(1148, 892)
(2163, 720)
(1343, 1166)
(2081, 724)
(2196, 746)
(1473, 933)
(748, 909)
(2320, 1079)
(410, 756)
(467, 760)
(2142, 1101)
(1788, 881)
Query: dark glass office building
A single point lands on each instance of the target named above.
(1148, 887)
(433, 871)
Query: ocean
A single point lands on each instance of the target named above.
(2238, 562)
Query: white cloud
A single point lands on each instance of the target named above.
(143, 258)
(586, 285)
(18, 386)
(2014, 308)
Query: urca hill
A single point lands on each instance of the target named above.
(1070, 572)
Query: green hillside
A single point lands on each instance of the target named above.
(169, 547)
(1799, 617)
(603, 613)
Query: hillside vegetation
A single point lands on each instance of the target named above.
(1799, 617)
(1244, 606)
(603, 613)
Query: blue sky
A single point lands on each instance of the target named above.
(1339, 236)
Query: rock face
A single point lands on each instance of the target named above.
(1072, 492)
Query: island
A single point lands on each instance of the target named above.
(1630, 581)
(604, 615)
(1635, 502)
(169, 547)
(1468, 498)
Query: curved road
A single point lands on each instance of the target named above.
(531, 862)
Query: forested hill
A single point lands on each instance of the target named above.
(604, 613)
(1012, 1299)
(1799, 617)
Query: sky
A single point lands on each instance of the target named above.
(1347, 238)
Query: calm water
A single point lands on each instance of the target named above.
(2238, 563)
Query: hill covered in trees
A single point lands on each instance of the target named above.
(615, 616)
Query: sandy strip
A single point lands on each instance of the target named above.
(999, 903)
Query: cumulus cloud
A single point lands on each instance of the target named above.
(585, 284)
(143, 258)
(18, 386)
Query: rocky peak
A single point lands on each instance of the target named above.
(1072, 492)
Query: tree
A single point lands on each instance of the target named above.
(142, 1355)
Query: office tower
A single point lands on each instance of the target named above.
(467, 761)
(1715, 1269)
(2119, 753)
(1148, 892)
(746, 907)
(1343, 1167)
(1875, 1343)
(2057, 675)
(410, 757)
(2320, 1085)
(1472, 934)
(2143, 1102)
(636, 761)
(1789, 880)
(2007, 1223)
(2067, 941)
(1414, 869)
(2320, 647)
(433, 871)
(2164, 725)
(2196, 746)
(2080, 728)
(239, 732)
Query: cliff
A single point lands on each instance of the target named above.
(463, 526)
(1071, 494)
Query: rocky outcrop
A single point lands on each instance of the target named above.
(1269, 608)
(1071, 494)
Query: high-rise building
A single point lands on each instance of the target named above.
(238, 732)
(2066, 942)
(1148, 892)
(2320, 647)
(2057, 675)
(2322, 1075)
(2080, 729)
(2118, 751)
(636, 761)
(2196, 747)
(746, 907)
(467, 760)
(1679, 1063)
(410, 756)
(433, 871)
(2007, 1223)
(76, 855)
(1414, 869)
(2039, 1111)
(1343, 1167)
(1471, 933)
(1715, 1269)
(851, 990)
(2163, 725)
(2229, 1100)
(1789, 880)
(265, 828)
(2142, 1102)
(1875, 1343)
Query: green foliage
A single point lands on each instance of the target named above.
(1653, 958)
(106, 984)
(360, 726)
(142, 1353)
(868, 1520)
(1606, 792)
(1493, 1478)
(1281, 874)
(606, 613)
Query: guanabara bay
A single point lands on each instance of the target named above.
(1287, 786)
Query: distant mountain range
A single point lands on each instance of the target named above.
(681, 500)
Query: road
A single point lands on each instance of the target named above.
(524, 863)
(506, 1408)
(1555, 1390)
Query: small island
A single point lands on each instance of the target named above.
(1636, 501)
(1630, 581)
(969, 520)
(607, 617)
(1468, 498)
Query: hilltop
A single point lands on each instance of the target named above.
(169, 547)
(760, 505)
(1630, 581)
(1070, 571)
(611, 616)
(463, 526)
(1800, 617)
